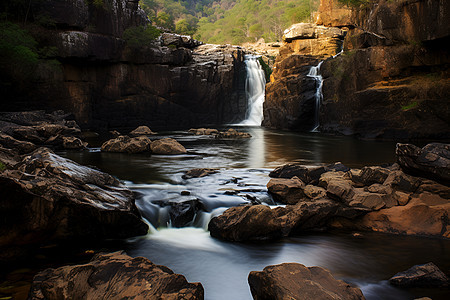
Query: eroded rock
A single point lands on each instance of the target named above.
(288, 191)
(201, 172)
(233, 134)
(136, 278)
(426, 275)
(129, 145)
(295, 281)
(142, 130)
(167, 146)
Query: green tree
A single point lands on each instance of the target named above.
(140, 36)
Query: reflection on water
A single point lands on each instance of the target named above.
(243, 165)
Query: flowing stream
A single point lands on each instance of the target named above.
(366, 260)
(254, 89)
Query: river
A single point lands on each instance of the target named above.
(366, 260)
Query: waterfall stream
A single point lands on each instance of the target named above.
(254, 89)
(314, 72)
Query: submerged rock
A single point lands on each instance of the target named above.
(196, 173)
(295, 281)
(426, 275)
(203, 131)
(126, 144)
(46, 197)
(167, 146)
(114, 276)
(233, 134)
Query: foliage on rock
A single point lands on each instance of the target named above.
(140, 36)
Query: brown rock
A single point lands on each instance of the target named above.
(334, 13)
(142, 130)
(314, 192)
(372, 175)
(402, 198)
(11, 143)
(203, 131)
(373, 201)
(426, 275)
(196, 173)
(232, 134)
(136, 278)
(126, 144)
(295, 281)
(167, 146)
(71, 142)
(340, 189)
(288, 191)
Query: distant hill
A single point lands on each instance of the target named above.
(229, 21)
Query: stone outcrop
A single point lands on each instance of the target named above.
(132, 278)
(48, 198)
(295, 281)
(196, 173)
(126, 144)
(392, 80)
(203, 131)
(290, 95)
(233, 134)
(167, 146)
(142, 130)
(426, 275)
(334, 13)
(106, 83)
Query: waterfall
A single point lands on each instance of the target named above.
(314, 72)
(254, 89)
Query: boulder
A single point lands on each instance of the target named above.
(308, 174)
(142, 130)
(167, 146)
(432, 161)
(260, 222)
(203, 131)
(339, 189)
(46, 197)
(233, 134)
(71, 142)
(426, 275)
(287, 191)
(114, 275)
(168, 39)
(295, 281)
(314, 192)
(372, 175)
(201, 172)
(11, 143)
(126, 144)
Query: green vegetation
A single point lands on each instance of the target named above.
(2, 166)
(267, 70)
(229, 21)
(140, 36)
(354, 3)
(410, 106)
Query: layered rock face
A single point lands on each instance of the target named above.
(173, 82)
(291, 93)
(393, 79)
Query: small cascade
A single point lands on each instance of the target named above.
(255, 89)
(314, 72)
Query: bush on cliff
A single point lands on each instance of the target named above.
(140, 36)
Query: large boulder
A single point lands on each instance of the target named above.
(126, 144)
(288, 191)
(114, 276)
(142, 130)
(432, 161)
(167, 146)
(307, 174)
(295, 281)
(46, 197)
(260, 222)
(426, 275)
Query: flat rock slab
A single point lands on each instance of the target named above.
(295, 281)
(114, 276)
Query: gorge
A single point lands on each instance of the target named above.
(198, 203)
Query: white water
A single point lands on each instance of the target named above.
(254, 88)
(314, 72)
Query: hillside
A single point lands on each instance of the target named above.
(229, 21)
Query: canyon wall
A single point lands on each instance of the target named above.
(391, 81)
(173, 82)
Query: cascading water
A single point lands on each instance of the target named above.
(254, 88)
(314, 72)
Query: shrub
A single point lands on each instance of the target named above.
(140, 36)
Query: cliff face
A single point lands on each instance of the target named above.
(106, 84)
(392, 80)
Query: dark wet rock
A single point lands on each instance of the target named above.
(307, 174)
(432, 161)
(47, 197)
(203, 131)
(142, 130)
(126, 144)
(9, 158)
(71, 142)
(426, 275)
(233, 134)
(182, 212)
(167, 146)
(115, 133)
(185, 193)
(371, 175)
(295, 281)
(11, 143)
(253, 200)
(260, 222)
(288, 191)
(132, 277)
(201, 172)
(172, 39)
